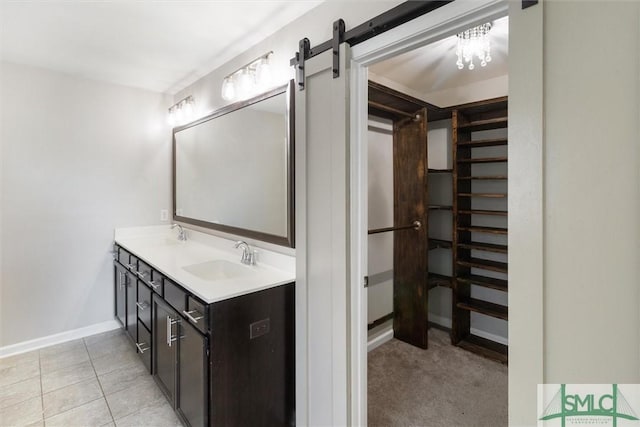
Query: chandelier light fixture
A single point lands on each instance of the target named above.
(182, 111)
(249, 80)
(474, 42)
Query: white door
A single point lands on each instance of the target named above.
(322, 208)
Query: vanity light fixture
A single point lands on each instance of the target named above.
(474, 42)
(182, 111)
(249, 80)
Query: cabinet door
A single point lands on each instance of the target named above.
(164, 354)
(120, 280)
(192, 376)
(132, 315)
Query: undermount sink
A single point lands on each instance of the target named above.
(218, 270)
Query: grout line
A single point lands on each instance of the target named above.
(71, 409)
(41, 388)
(104, 396)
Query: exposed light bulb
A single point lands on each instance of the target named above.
(228, 89)
(188, 109)
(171, 119)
(263, 74)
(245, 84)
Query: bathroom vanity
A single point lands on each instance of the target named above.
(217, 335)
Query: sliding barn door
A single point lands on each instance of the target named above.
(410, 321)
(322, 201)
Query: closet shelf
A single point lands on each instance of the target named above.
(478, 229)
(485, 282)
(439, 243)
(435, 280)
(440, 207)
(483, 143)
(440, 170)
(487, 247)
(485, 195)
(485, 307)
(495, 123)
(482, 212)
(484, 160)
(484, 264)
(484, 347)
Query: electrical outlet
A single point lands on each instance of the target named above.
(164, 215)
(259, 328)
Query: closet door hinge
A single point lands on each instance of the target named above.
(365, 281)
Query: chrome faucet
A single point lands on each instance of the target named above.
(182, 234)
(248, 256)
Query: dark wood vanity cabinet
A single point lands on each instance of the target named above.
(120, 276)
(227, 363)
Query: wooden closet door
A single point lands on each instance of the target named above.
(410, 322)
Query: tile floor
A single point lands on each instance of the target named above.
(95, 381)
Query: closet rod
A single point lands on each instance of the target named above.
(415, 225)
(391, 109)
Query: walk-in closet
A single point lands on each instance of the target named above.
(437, 236)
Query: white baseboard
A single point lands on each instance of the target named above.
(23, 347)
(380, 338)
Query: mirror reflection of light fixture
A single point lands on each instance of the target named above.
(182, 111)
(249, 80)
(474, 42)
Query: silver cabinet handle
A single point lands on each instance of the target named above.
(154, 285)
(192, 318)
(140, 349)
(141, 274)
(170, 337)
(130, 266)
(142, 305)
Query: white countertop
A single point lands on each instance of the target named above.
(158, 246)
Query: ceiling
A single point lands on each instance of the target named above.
(161, 46)
(433, 67)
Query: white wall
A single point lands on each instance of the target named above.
(380, 246)
(592, 192)
(79, 158)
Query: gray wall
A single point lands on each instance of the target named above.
(79, 158)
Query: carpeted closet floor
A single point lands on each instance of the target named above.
(441, 386)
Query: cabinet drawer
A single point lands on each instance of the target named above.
(123, 256)
(132, 265)
(175, 296)
(196, 312)
(144, 304)
(156, 282)
(144, 271)
(144, 345)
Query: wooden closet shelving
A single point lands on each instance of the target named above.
(479, 221)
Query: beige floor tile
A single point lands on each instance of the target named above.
(50, 362)
(92, 414)
(67, 376)
(111, 344)
(159, 414)
(64, 347)
(20, 372)
(69, 397)
(105, 364)
(22, 414)
(98, 338)
(9, 361)
(126, 402)
(19, 392)
(123, 378)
